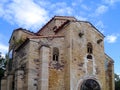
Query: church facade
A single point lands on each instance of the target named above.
(65, 54)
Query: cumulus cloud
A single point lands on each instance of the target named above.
(32, 14)
(101, 10)
(24, 13)
(111, 38)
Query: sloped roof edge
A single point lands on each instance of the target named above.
(79, 21)
(55, 17)
(21, 29)
(91, 26)
(109, 58)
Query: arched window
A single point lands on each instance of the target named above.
(55, 54)
(89, 56)
(90, 84)
(89, 48)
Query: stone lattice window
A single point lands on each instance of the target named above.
(55, 54)
(90, 84)
(89, 48)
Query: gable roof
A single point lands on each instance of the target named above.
(58, 18)
(69, 19)
(64, 24)
(91, 26)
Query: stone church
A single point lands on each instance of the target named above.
(65, 54)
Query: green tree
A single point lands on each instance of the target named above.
(2, 67)
(117, 82)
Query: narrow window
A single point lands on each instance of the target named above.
(55, 54)
(89, 48)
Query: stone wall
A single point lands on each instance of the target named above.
(80, 66)
(35, 67)
(18, 37)
(109, 68)
(56, 68)
(54, 24)
(4, 84)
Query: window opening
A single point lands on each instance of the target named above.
(90, 84)
(89, 56)
(55, 54)
(89, 48)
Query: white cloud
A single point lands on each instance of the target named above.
(32, 14)
(3, 49)
(24, 13)
(111, 38)
(61, 8)
(64, 11)
(101, 10)
(110, 2)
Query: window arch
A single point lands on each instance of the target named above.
(90, 84)
(89, 48)
(55, 54)
(89, 56)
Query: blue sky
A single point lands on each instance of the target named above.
(33, 14)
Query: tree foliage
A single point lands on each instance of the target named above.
(2, 66)
(117, 82)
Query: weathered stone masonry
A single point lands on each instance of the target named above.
(65, 54)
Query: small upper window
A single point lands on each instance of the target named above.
(89, 48)
(55, 54)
